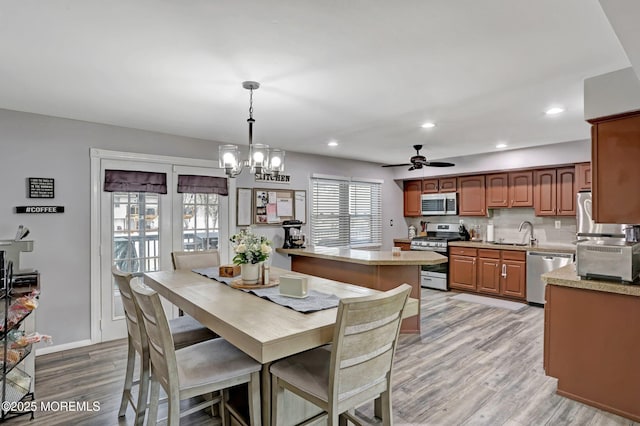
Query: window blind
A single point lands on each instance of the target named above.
(346, 213)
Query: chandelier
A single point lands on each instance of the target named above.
(262, 160)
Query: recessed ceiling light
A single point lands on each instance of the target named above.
(428, 125)
(333, 143)
(501, 145)
(554, 110)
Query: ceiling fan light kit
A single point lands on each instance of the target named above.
(418, 161)
(262, 160)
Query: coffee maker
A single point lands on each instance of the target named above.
(293, 236)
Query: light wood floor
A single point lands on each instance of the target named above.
(472, 365)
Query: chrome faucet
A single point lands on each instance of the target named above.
(532, 240)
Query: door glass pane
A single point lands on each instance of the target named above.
(200, 225)
(135, 237)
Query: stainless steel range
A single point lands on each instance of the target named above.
(437, 239)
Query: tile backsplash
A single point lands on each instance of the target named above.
(506, 223)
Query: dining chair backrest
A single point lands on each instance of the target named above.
(189, 260)
(135, 326)
(161, 348)
(364, 343)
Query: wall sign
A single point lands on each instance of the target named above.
(40, 209)
(41, 188)
(266, 177)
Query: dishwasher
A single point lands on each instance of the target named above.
(537, 264)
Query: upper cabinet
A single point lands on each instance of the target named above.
(554, 192)
(412, 192)
(432, 186)
(514, 189)
(583, 177)
(472, 198)
(615, 172)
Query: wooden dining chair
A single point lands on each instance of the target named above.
(195, 259)
(357, 367)
(185, 330)
(200, 369)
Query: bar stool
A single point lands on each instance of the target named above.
(356, 369)
(200, 369)
(186, 331)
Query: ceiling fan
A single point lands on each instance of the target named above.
(417, 161)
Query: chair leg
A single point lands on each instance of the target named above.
(277, 400)
(387, 412)
(128, 379)
(143, 389)
(224, 411)
(154, 400)
(255, 406)
(173, 410)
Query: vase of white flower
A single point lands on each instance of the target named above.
(250, 251)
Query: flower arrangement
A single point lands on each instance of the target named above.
(250, 247)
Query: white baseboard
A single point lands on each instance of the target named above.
(66, 346)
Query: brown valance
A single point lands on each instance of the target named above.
(134, 181)
(202, 184)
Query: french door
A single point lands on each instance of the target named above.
(136, 237)
(138, 231)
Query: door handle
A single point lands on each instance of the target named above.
(504, 271)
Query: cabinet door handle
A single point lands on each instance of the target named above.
(504, 271)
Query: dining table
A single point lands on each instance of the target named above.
(264, 330)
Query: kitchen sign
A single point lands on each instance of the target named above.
(267, 177)
(40, 209)
(41, 187)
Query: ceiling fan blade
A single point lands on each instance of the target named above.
(396, 165)
(438, 164)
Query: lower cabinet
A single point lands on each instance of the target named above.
(488, 271)
(462, 268)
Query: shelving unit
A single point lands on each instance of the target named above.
(17, 362)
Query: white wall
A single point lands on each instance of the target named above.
(612, 93)
(39, 146)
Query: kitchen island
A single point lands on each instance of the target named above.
(592, 340)
(379, 270)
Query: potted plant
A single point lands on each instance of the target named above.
(250, 251)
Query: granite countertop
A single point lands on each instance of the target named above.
(567, 277)
(555, 248)
(367, 257)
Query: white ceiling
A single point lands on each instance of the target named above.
(366, 73)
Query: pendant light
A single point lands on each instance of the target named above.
(262, 160)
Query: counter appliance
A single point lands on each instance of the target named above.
(609, 259)
(439, 204)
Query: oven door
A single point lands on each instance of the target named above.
(434, 276)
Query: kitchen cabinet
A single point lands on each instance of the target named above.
(432, 186)
(583, 177)
(615, 151)
(489, 271)
(472, 198)
(412, 192)
(462, 268)
(502, 272)
(555, 192)
(514, 189)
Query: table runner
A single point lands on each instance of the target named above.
(315, 301)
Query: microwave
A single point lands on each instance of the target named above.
(439, 204)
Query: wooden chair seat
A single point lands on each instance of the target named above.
(355, 369)
(186, 331)
(198, 369)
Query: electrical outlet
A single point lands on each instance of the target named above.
(461, 222)
(558, 224)
(390, 222)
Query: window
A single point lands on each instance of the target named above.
(346, 212)
(200, 225)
